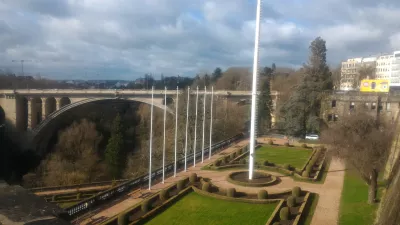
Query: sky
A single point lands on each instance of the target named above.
(124, 39)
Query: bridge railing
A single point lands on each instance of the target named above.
(75, 186)
(113, 193)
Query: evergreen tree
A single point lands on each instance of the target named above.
(114, 154)
(301, 111)
(265, 106)
(216, 74)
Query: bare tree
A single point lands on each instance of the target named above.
(363, 142)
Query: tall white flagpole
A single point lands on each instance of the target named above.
(254, 92)
(204, 122)
(195, 129)
(151, 134)
(176, 126)
(165, 116)
(211, 121)
(187, 124)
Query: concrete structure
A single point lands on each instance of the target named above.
(387, 66)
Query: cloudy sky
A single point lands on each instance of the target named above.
(124, 39)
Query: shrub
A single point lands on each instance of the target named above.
(304, 145)
(242, 161)
(238, 152)
(287, 144)
(233, 155)
(284, 213)
(296, 191)
(217, 162)
(113, 183)
(262, 194)
(231, 192)
(226, 159)
(79, 196)
(54, 198)
(309, 168)
(305, 173)
(286, 166)
(205, 187)
(276, 223)
(145, 206)
(291, 201)
(164, 195)
(193, 178)
(180, 185)
(123, 219)
(265, 163)
(270, 142)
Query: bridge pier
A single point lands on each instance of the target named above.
(44, 114)
(29, 103)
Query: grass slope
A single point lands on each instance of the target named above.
(196, 209)
(294, 156)
(354, 208)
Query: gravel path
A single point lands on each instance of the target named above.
(326, 212)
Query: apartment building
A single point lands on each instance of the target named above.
(387, 66)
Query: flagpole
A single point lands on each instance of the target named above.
(211, 120)
(195, 129)
(187, 123)
(176, 126)
(151, 134)
(165, 115)
(204, 122)
(254, 92)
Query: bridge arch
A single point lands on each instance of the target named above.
(40, 140)
(2, 116)
(50, 106)
(64, 101)
(22, 113)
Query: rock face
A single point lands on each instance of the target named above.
(19, 206)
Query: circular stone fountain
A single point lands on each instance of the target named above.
(260, 179)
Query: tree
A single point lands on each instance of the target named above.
(304, 105)
(216, 74)
(114, 149)
(363, 142)
(265, 106)
(364, 72)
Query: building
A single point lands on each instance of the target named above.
(386, 66)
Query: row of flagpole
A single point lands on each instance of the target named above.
(176, 130)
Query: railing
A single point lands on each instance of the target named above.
(110, 194)
(75, 186)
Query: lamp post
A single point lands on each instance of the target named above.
(165, 115)
(254, 92)
(204, 122)
(195, 129)
(151, 134)
(176, 127)
(211, 120)
(187, 123)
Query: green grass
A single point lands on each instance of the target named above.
(354, 208)
(196, 209)
(294, 156)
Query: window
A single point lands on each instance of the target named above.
(388, 106)
(330, 117)
(333, 103)
(336, 118)
(373, 106)
(366, 105)
(352, 105)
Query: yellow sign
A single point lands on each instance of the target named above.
(374, 86)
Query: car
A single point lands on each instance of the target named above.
(312, 137)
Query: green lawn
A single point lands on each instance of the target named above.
(354, 209)
(294, 156)
(196, 209)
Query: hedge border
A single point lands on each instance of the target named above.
(301, 210)
(265, 184)
(275, 214)
(308, 161)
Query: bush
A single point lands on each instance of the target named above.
(180, 185)
(217, 162)
(238, 152)
(284, 213)
(145, 206)
(164, 195)
(233, 155)
(53, 198)
(226, 159)
(276, 223)
(291, 201)
(262, 194)
(304, 146)
(309, 168)
(296, 191)
(242, 161)
(123, 219)
(205, 187)
(266, 163)
(286, 166)
(79, 196)
(231, 192)
(305, 173)
(287, 144)
(113, 183)
(193, 178)
(270, 142)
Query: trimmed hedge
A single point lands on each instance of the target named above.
(287, 144)
(193, 178)
(284, 213)
(265, 163)
(286, 166)
(304, 145)
(145, 206)
(262, 194)
(296, 191)
(123, 219)
(291, 201)
(180, 185)
(217, 162)
(305, 174)
(270, 142)
(164, 195)
(231, 192)
(276, 223)
(206, 187)
(242, 161)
